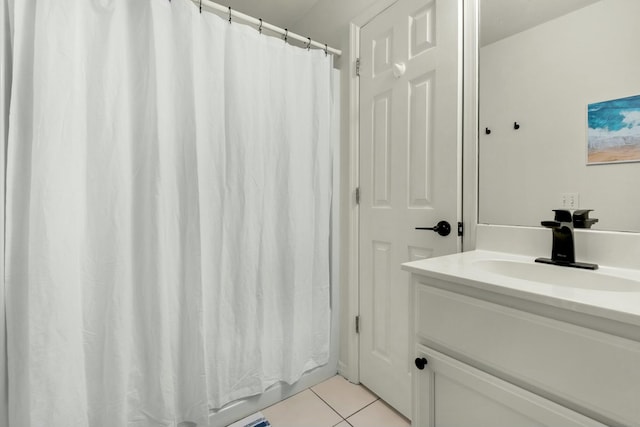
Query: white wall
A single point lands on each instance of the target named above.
(544, 78)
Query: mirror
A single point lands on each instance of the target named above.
(541, 62)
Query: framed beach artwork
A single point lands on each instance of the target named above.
(614, 131)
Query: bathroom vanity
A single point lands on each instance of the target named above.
(499, 340)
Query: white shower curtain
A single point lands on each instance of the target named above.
(168, 201)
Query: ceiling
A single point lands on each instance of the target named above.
(503, 18)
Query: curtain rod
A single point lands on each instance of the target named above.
(264, 25)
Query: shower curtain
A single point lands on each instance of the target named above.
(168, 201)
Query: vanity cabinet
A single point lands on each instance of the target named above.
(452, 393)
(489, 364)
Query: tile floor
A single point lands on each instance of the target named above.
(335, 402)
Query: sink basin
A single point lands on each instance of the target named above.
(559, 276)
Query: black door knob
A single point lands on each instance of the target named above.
(421, 362)
(443, 228)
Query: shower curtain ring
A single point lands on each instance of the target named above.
(309, 45)
(286, 35)
(229, 14)
(200, 6)
(326, 50)
(260, 27)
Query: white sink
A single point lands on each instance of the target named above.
(556, 275)
(610, 292)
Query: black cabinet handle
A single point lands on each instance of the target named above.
(443, 228)
(421, 362)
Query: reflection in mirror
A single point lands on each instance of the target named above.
(541, 64)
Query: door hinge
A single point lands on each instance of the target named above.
(357, 195)
(460, 228)
(357, 324)
(358, 67)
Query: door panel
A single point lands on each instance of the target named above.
(382, 150)
(420, 141)
(450, 393)
(410, 121)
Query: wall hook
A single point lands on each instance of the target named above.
(516, 125)
(487, 131)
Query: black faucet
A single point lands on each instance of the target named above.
(563, 249)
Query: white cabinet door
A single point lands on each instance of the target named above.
(449, 393)
(409, 174)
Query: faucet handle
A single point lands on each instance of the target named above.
(563, 215)
(581, 219)
(551, 224)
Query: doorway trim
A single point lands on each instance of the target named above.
(470, 124)
(349, 366)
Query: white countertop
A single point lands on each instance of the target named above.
(466, 269)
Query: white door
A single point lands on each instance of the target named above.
(410, 151)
